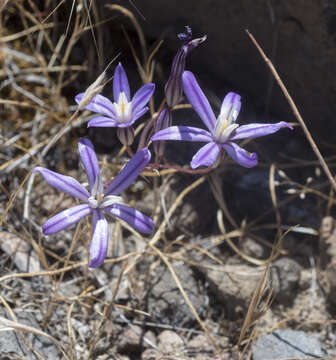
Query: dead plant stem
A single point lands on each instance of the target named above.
(295, 111)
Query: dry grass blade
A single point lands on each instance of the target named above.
(252, 313)
(256, 299)
(23, 33)
(136, 25)
(274, 198)
(295, 111)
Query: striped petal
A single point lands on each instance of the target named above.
(65, 218)
(120, 83)
(256, 130)
(89, 160)
(99, 104)
(230, 107)
(198, 100)
(185, 133)
(206, 155)
(66, 184)
(129, 173)
(241, 156)
(102, 121)
(134, 218)
(99, 242)
(141, 97)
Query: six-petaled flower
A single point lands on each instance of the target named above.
(222, 131)
(97, 201)
(124, 111)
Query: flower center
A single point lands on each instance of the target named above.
(224, 128)
(95, 200)
(98, 198)
(123, 109)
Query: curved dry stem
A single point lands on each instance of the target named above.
(295, 111)
(135, 23)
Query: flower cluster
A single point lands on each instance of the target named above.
(220, 137)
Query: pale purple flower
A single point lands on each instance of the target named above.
(124, 111)
(97, 201)
(221, 131)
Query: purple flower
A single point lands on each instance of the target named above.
(173, 88)
(222, 131)
(97, 201)
(124, 111)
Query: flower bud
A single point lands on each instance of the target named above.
(173, 88)
(126, 135)
(164, 120)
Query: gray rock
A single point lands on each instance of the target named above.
(170, 343)
(166, 303)
(284, 344)
(232, 285)
(285, 277)
(11, 343)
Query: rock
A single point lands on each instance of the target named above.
(252, 248)
(130, 340)
(134, 339)
(200, 343)
(285, 344)
(327, 244)
(11, 344)
(21, 253)
(232, 285)
(170, 343)
(285, 277)
(151, 354)
(165, 301)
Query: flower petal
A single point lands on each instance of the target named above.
(65, 219)
(256, 130)
(230, 107)
(99, 242)
(141, 97)
(206, 155)
(99, 104)
(64, 183)
(241, 156)
(89, 160)
(129, 173)
(120, 83)
(134, 218)
(102, 121)
(185, 133)
(198, 100)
